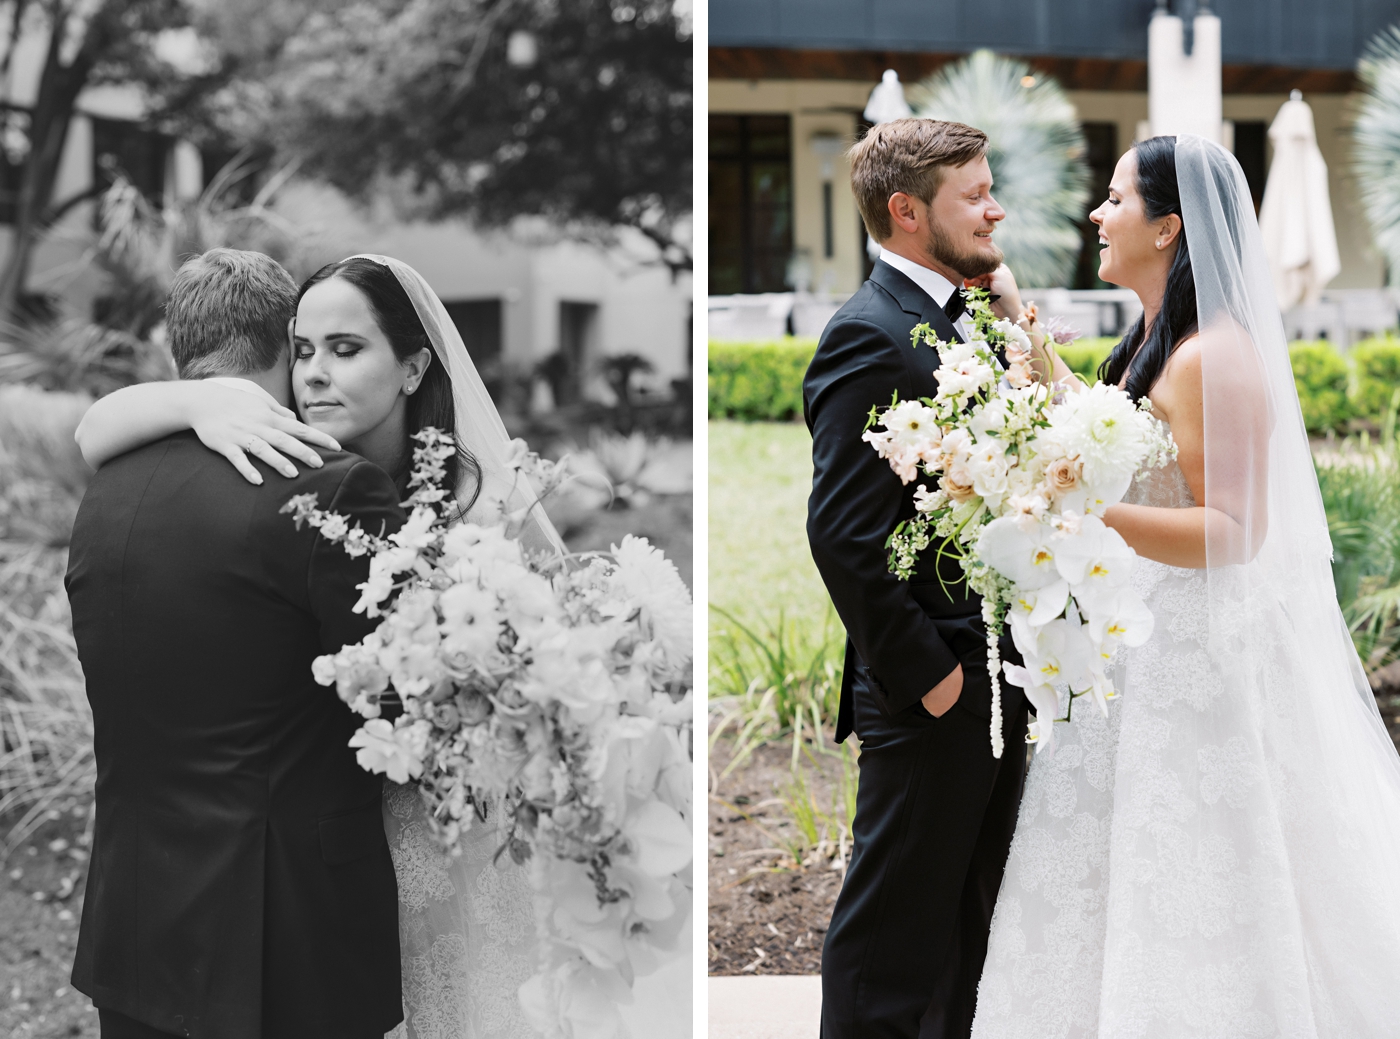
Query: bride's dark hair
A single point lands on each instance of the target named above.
(1143, 359)
(431, 404)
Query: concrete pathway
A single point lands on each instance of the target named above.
(774, 1006)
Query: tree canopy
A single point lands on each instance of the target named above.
(578, 111)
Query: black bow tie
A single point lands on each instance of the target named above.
(956, 306)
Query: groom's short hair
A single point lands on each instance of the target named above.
(227, 313)
(908, 155)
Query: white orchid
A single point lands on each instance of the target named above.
(1096, 561)
(1120, 618)
(1044, 700)
(1026, 557)
(1038, 606)
(1060, 655)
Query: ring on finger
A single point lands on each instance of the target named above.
(252, 444)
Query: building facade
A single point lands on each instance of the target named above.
(790, 77)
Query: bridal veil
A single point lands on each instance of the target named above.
(1254, 861)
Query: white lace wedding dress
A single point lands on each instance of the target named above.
(467, 933)
(1187, 868)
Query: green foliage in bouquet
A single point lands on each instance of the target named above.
(1036, 152)
(759, 382)
(1321, 375)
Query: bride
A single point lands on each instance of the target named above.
(376, 358)
(1218, 856)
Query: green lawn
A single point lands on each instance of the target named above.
(760, 566)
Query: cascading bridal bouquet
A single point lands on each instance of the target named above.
(555, 692)
(1024, 474)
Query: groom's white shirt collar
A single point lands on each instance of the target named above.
(933, 283)
(937, 286)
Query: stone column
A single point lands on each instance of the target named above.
(1183, 71)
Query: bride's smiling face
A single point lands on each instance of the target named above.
(346, 378)
(1131, 255)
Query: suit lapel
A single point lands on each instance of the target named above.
(914, 301)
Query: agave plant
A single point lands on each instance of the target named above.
(1376, 154)
(79, 357)
(1035, 149)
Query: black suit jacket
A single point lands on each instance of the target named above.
(907, 636)
(241, 885)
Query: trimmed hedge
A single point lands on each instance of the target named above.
(1375, 369)
(1322, 378)
(1083, 356)
(759, 381)
(763, 381)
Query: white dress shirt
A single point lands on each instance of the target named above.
(933, 283)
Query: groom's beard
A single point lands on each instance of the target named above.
(969, 264)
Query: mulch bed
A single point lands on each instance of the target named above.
(769, 915)
(41, 901)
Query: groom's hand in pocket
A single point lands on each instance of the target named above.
(939, 700)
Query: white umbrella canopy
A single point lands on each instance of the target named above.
(887, 102)
(1295, 219)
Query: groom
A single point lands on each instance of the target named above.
(241, 885)
(935, 811)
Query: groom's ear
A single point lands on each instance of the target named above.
(906, 212)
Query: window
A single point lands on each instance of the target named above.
(479, 323)
(1250, 139)
(1101, 140)
(750, 203)
(128, 149)
(578, 323)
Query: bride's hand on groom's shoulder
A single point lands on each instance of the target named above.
(236, 424)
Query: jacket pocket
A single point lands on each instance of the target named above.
(352, 835)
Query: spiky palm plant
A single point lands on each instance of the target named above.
(1036, 151)
(1376, 154)
(139, 247)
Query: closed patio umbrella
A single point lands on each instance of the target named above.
(1296, 216)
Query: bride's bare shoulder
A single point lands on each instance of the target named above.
(1176, 395)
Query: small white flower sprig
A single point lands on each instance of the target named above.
(555, 692)
(1025, 473)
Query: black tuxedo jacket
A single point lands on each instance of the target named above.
(907, 636)
(241, 885)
